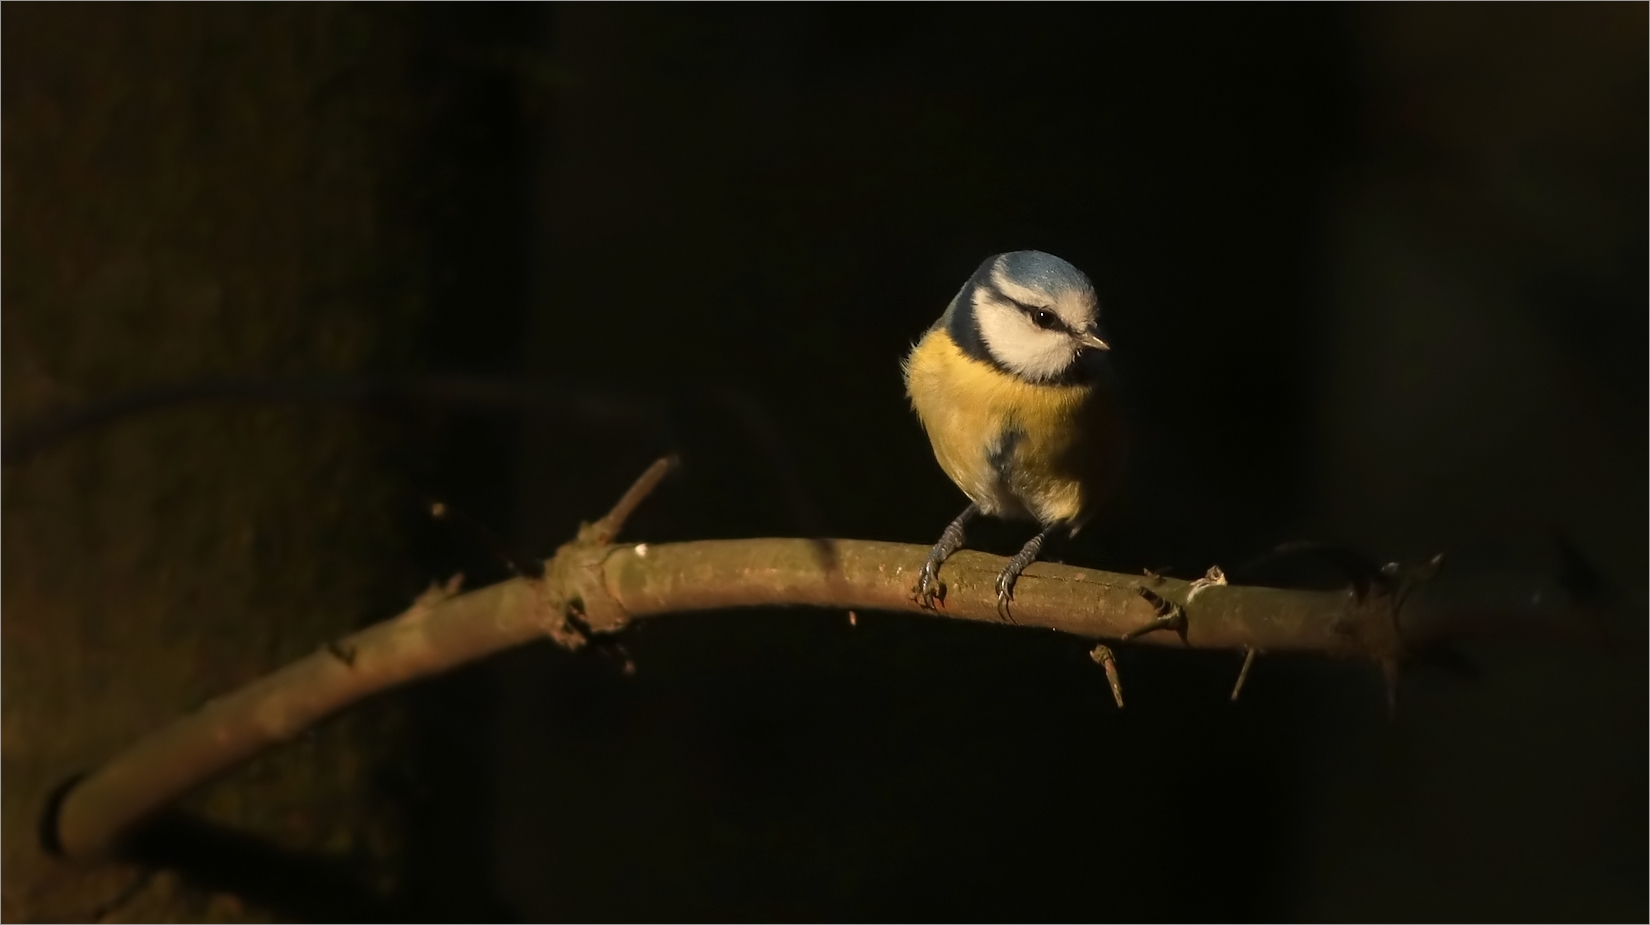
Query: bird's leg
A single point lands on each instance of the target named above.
(1010, 574)
(929, 588)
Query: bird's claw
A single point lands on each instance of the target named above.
(1005, 593)
(930, 591)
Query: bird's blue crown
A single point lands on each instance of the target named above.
(1035, 268)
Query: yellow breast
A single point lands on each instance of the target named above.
(1016, 448)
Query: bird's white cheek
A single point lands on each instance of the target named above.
(1032, 353)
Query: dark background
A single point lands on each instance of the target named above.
(1373, 274)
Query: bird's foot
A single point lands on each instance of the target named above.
(929, 592)
(1005, 592)
(1011, 573)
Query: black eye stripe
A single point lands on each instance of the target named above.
(1044, 318)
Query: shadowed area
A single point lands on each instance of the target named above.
(1373, 277)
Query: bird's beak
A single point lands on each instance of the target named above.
(1090, 339)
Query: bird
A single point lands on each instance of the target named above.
(1013, 386)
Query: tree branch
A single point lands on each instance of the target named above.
(593, 586)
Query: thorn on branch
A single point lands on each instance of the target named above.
(1249, 653)
(576, 602)
(1170, 616)
(341, 652)
(603, 532)
(1212, 578)
(438, 592)
(1406, 577)
(1102, 654)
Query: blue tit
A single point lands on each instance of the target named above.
(1013, 388)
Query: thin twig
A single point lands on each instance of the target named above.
(605, 530)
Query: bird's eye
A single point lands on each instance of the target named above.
(1045, 319)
